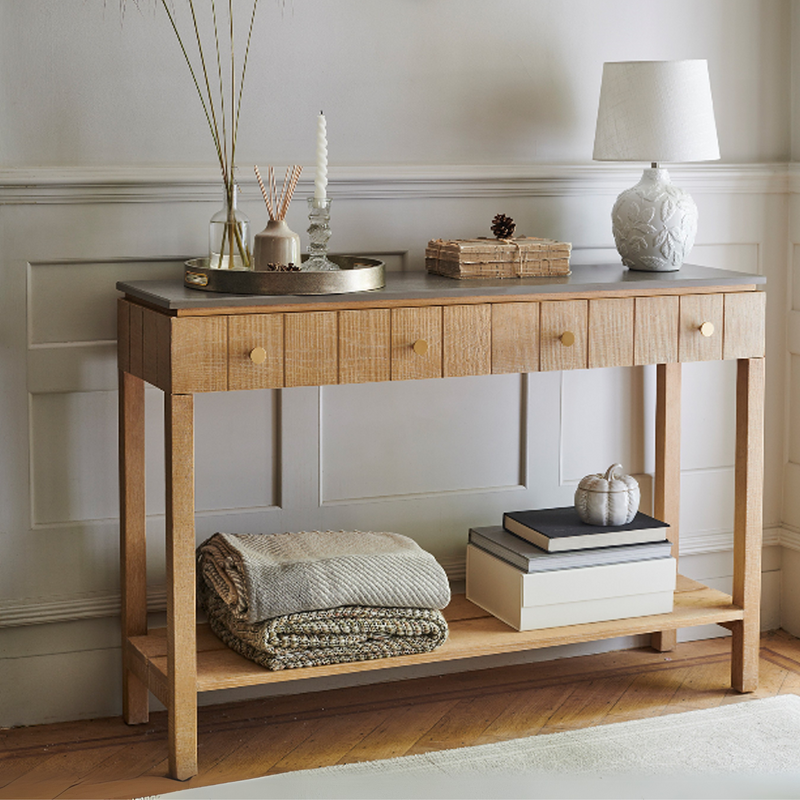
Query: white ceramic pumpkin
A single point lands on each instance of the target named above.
(610, 499)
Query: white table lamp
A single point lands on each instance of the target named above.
(655, 111)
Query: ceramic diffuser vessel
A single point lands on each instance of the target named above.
(277, 245)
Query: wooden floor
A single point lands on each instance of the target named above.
(104, 758)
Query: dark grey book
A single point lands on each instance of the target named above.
(556, 529)
(529, 558)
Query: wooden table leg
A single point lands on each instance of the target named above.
(133, 545)
(667, 490)
(181, 617)
(747, 524)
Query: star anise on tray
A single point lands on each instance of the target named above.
(282, 268)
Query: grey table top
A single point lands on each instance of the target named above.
(173, 295)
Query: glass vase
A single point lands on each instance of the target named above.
(229, 236)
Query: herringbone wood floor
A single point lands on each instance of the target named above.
(104, 758)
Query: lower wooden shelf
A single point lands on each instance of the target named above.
(473, 633)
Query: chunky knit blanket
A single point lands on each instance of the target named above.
(263, 576)
(328, 636)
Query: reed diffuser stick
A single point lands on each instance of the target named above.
(278, 204)
(272, 188)
(261, 184)
(284, 187)
(292, 185)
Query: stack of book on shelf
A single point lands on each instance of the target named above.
(546, 568)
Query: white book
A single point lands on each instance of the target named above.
(572, 585)
(528, 601)
(606, 608)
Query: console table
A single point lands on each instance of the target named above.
(422, 326)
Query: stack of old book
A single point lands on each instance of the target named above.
(545, 568)
(522, 257)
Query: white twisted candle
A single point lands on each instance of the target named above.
(321, 180)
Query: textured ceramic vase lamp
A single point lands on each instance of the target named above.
(655, 111)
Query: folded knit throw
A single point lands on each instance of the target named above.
(329, 636)
(263, 576)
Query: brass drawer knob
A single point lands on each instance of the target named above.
(258, 355)
(707, 329)
(568, 338)
(420, 347)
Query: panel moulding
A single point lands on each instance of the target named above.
(180, 184)
(94, 605)
(87, 605)
(521, 456)
(56, 503)
(635, 395)
(422, 495)
(789, 538)
(78, 525)
(793, 335)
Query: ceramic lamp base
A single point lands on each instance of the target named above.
(654, 223)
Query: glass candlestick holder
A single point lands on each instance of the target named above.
(319, 231)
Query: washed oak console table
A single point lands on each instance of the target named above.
(422, 326)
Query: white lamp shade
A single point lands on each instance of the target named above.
(656, 111)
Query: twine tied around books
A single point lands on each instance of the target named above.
(519, 255)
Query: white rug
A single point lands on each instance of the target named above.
(747, 749)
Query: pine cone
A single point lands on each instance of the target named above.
(503, 227)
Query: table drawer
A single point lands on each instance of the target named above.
(515, 337)
(181, 355)
(255, 352)
(655, 336)
(364, 345)
(611, 332)
(467, 348)
(744, 335)
(564, 326)
(197, 354)
(416, 343)
(311, 348)
(700, 328)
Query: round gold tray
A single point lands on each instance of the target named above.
(355, 274)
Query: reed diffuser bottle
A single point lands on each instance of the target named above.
(277, 247)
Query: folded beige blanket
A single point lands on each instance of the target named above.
(264, 576)
(329, 636)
